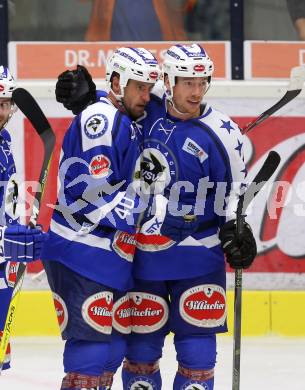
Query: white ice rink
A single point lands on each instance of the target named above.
(268, 363)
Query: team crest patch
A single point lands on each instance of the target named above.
(61, 311)
(97, 311)
(204, 306)
(141, 383)
(149, 312)
(11, 273)
(193, 385)
(156, 167)
(193, 148)
(121, 315)
(124, 245)
(96, 125)
(99, 166)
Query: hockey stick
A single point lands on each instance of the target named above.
(30, 108)
(271, 163)
(297, 79)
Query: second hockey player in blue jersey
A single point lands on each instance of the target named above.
(91, 245)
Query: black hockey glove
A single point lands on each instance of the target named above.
(240, 251)
(75, 89)
(178, 228)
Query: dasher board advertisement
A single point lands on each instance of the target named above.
(272, 59)
(45, 60)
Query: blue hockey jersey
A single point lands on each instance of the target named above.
(198, 163)
(90, 226)
(7, 171)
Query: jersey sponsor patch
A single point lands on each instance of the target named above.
(153, 242)
(141, 383)
(96, 125)
(149, 312)
(121, 315)
(194, 385)
(193, 148)
(124, 244)
(99, 166)
(11, 273)
(61, 311)
(97, 311)
(204, 306)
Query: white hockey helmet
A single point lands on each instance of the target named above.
(187, 61)
(7, 83)
(132, 64)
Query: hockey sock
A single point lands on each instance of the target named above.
(188, 379)
(141, 375)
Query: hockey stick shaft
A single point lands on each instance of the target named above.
(28, 105)
(297, 78)
(271, 163)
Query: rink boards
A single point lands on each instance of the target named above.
(278, 313)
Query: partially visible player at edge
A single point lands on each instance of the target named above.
(18, 243)
(91, 245)
(187, 266)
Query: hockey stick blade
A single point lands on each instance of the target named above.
(28, 105)
(297, 79)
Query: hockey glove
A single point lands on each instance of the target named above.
(179, 228)
(75, 89)
(240, 251)
(21, 243)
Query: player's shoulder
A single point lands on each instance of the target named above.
(217, 119)
(99, 123)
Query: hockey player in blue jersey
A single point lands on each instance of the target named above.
(90, 250)
(195, 154)
(18, 243)
(180, 273)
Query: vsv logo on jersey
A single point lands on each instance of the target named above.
(156, 167)
(149, 312)
(204, 306)
(61, 311)
(193, 148)
(97, 311)
(96, 125)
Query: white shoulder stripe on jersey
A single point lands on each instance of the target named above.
(88, 239)
(96, 125)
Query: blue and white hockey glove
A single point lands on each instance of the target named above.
(21, 243)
